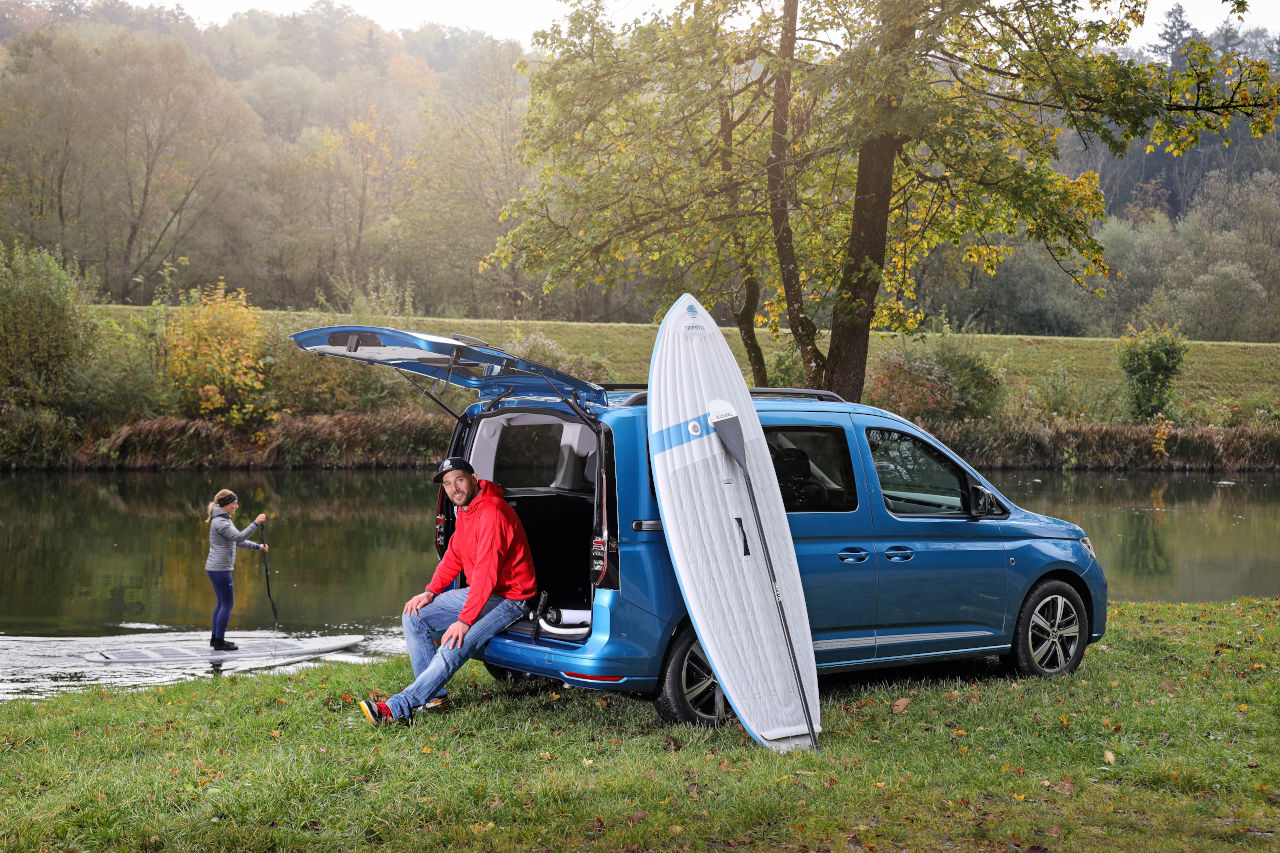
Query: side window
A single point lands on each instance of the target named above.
(527, 455)
(815, 471)
(915, 477)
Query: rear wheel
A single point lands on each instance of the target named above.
(1052, 631)
(688, 692)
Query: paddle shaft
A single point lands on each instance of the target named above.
(266, 571)
(733, 442)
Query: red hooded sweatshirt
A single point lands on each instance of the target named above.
(490, 546)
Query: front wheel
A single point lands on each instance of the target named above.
(688, 692)
(1052, 631)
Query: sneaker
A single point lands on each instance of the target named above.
(223, 645)
(379, 713)
(439, 703)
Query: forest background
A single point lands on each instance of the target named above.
(316, 161)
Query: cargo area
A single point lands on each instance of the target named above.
(547, 467)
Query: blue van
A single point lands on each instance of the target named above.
(906, 553)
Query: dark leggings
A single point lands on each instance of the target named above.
(225, 588)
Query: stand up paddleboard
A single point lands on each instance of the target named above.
(195, 651)
(727, 531)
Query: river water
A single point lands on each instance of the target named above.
(95, 561)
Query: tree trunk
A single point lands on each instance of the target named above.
(745, 317)
(776, 170)
(861, 271)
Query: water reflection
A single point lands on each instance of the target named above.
(90, 553)
(1169, 537)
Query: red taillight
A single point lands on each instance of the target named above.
(586, 677)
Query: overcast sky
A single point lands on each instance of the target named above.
(519, 19)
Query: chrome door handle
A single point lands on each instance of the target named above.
(899, 553)
(853, 555)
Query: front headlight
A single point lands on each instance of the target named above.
(1088, 546)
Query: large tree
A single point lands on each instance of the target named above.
(820, 149)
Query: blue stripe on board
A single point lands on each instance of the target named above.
(682, 433)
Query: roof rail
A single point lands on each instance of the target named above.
(642, 396)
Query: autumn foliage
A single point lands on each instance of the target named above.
(213, 352)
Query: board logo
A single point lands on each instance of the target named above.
(694, 326)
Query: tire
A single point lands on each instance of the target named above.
(1052, 631)
(688, 692)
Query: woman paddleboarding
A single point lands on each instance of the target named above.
(224, 538)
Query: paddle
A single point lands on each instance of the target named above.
(724, 420)
(266, 570)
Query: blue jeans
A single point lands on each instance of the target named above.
(224, 587)
(432, 666)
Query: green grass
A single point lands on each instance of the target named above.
(1222, 371)
(1165, 739)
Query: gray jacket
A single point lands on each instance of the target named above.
(223, 541)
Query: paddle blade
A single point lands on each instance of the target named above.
(724, 420)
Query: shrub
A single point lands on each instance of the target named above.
(909, 385)
(538, 347)
(976, 379)
(213, 358)
(1061, 394)
(117, 382)
(45, 328)
(310, 384)
(1151, 361)
(786, 369)
(941, 378)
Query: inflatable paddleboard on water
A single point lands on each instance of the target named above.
(194, 651)
(727, 531)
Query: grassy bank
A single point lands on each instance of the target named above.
(1166, 739)
(1213, 371)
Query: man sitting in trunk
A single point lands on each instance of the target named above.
(490, 546)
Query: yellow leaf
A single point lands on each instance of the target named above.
(426, 750)
(275, 733)
(1108, 757)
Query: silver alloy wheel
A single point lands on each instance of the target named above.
(1054, 633)
(700, 689)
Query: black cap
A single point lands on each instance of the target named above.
(453, 463)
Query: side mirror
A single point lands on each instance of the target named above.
(981, 501)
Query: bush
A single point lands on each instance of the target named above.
(213, 357)
(118, 381)
(787, 370)
(45, 328)
(313, 384)
(538, 347)
(942, 378)
(1060, 394)
(1151, 361)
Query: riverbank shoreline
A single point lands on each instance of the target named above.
(1162, 740)
(412, 438)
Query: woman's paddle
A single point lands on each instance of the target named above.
(266, 570)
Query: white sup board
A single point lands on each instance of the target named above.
(195, 651)
(713, 530)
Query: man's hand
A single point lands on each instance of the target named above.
(419, 601)
(452, 637)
